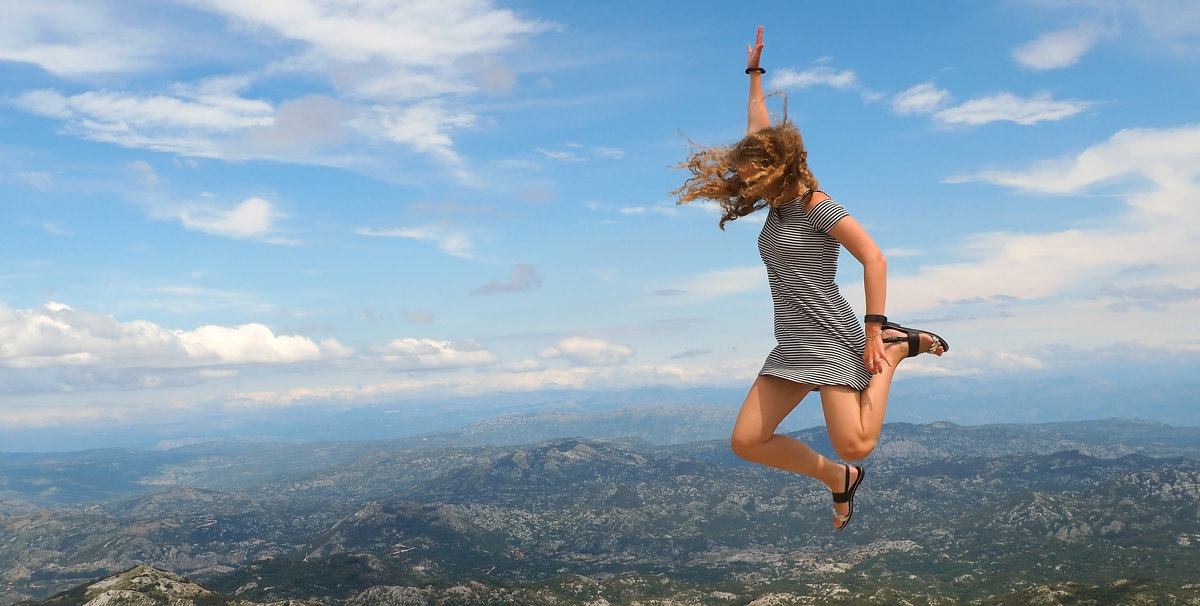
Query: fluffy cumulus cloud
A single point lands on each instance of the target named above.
(588, 352)
(56, 335)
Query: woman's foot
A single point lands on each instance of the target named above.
(843, 502)
(901, 339)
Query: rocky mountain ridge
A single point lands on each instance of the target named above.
(948, 512)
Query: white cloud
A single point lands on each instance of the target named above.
(1173, 22)
(410, 34)
(55, 229)
(74, 38)
(525, 376)
(427, 354)
(1164, 155)
(720, 283)
(451, 242)
(588, 352)
(253, 218)
(660, 209)
(186, 123)
(37, 179)
(55, 335)
(923, 98)
(401, 73)
(1057, 49)
(147, 177)
(1005, 106)
(576, 152)
(817, 76)
(1080, 275)
(559, 155)
(423, 126)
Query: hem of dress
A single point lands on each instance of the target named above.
(778, 375)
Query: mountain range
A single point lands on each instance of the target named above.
(509, 511)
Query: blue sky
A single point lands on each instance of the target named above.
(220, 206)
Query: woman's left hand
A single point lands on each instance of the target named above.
(874, 358)
(755, 52)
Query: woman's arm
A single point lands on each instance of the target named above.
(856, 240)
(756, 109)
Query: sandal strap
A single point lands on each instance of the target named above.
(913, 338)
(846, 494)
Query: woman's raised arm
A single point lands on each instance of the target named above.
(756, 108)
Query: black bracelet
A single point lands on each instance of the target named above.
(760, 70)
(882, 319)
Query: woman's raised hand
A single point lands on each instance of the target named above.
(755, 51)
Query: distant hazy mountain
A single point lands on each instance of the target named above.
(1162, 392)
(999, 514)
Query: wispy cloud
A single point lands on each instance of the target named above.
(576, 152)
(187, 122)
(450, 241)
(816, 76)
(399, 74)
(1040, 107)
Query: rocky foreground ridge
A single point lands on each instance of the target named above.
(146, 586)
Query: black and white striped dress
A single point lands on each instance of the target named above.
(820, 341)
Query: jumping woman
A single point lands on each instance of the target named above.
(821, 345)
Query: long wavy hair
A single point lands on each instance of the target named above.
(776, 152)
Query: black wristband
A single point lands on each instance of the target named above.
(760, 70)
(882, 319)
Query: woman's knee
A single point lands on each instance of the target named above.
(854, 450)
(744, 446)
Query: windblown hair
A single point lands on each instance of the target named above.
(777, 152)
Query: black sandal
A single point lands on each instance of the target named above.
(847, 496)
(913, 336)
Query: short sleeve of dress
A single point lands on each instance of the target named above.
(826, 214)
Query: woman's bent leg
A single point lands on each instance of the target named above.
(754, 438)
(855, 418)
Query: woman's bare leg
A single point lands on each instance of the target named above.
(855, 418)
(754, 438)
